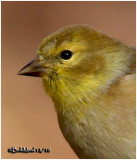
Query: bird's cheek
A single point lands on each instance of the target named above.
(97, 64)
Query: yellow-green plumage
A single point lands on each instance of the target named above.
(93, 91)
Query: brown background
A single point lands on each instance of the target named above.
(28, 115)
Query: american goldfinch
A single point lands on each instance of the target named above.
(90, 77)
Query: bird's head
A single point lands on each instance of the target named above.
(74, 56)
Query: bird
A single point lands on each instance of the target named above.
(91, 78)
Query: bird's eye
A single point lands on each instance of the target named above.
(66, 54)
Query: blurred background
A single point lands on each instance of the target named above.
(28, 115)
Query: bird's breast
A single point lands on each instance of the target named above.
(92, 134)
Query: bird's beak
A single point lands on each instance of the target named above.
(34, 68)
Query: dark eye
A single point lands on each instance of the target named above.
(66, 54)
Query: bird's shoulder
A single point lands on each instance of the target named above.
(124, 89)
